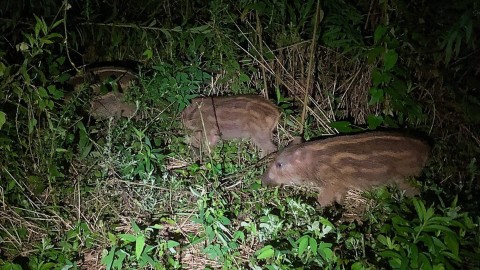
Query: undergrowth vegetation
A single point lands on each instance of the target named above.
(130, 193)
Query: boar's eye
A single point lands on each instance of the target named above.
(279, 165)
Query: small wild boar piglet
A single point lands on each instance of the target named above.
(340, 163)
(244, 116)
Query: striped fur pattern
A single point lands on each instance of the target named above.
(95, 77)
(242, 116)
(339, 163)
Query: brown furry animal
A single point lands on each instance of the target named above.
(242, 116)
(340, 163)
(95, 77)
(112, 103)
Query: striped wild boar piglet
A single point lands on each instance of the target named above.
(242, 117)
(340, 163)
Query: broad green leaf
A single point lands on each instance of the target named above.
(382, 239)
(413, 255)
(419, 208)
(390, 254)
(56, 93)
(118, 263)
(424, 262)
(31, 125)
(326, 222)
(436, 228)
(302, 244)
(390, 59)
(146, 259)
(3, 119)
(313, 245)
(379, 33)
(148, 53)
(200, 29)
(172, 244)
(452, 243)
(10, 266)
(374, 121)
(225, 221)
(129, 238)
(244, 77)
(108, 260)
(55, 24)
(376, 95)
(265, 252)
(374, 54)
(239, 235)
(135, 227)
(324, 249)
(42, 92)
(358, 266)
(139, 246)
(342, 126)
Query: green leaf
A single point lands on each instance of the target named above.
(424, 262)
(3, 119)
(135, 227)
(419, 208)
(108, 260)
(436, 228)
(379, 33)
(377, 96)
(118, 263)
(225, 221)
(313, 245)
(56, 94)
(390, 254)
(239, 235)
(42, 92)
(84, 144)
(413, 256)
(200, 29)
(265, 252)
(55, 24)
(325, 251)
(382, 239)
(148, 53)
(342, 126)
(374, 121)
(358, 266)
(244, 77)
(326, 222)
(302, 244)
(139, 245)
(374, 54)
(452, 243)
(172, 244)
(31, 125)
(10, 266)
(390, 59)
(129, 238)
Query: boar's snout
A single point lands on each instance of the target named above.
(267, 181)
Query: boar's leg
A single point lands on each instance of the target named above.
(330, 194)
(409, 189)
(265, 144)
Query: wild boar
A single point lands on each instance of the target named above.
(339, 163)
(95, 77)
(111, 103)
(242, 116)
